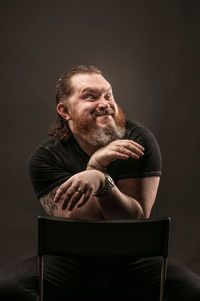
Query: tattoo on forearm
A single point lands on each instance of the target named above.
(48, 203)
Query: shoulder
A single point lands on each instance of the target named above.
(50, 143)
(148, 165)
(140, 134)
(52, 146)
(134, 128)
(49, 165)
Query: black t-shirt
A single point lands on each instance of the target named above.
(55, 161)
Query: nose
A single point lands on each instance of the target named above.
(103, 103)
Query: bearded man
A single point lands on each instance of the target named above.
(96, 166)
(93, 144)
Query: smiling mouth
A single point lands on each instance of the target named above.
(108, 112)
(100, 115)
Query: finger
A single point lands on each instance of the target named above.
(117, 155)
(130, 153)
(133, 143)
(61, 190)
(137, 145)
(130, 149)
(68, 196)
(136, 149)
(86, 197)
(71, 192)
(75, 200)
(87, 191)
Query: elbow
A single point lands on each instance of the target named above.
(142, 214)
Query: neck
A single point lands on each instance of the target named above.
(85, 145)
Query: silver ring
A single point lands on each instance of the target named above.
(117, 148)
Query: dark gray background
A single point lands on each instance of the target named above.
(149, 51)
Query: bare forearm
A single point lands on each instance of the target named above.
(48, 204)
(118, 205)
(90, 211)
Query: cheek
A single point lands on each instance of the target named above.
(114, 106)
(84, 111)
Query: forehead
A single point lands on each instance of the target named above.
(93, 81)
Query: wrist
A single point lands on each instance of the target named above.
(94, 164)
(106, 188)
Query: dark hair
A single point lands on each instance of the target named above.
(63, 90)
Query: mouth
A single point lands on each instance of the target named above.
(103, 115)
(103, 120)
(106, 113)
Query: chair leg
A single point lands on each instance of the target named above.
(40, 268)
(163, 278)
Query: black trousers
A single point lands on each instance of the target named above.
(98, 279)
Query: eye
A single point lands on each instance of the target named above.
(89, 96)
(108, 96)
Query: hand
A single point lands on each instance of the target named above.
(117, 149)
(78, 189)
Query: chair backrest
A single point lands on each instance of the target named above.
(62, 236)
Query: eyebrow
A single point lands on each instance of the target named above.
(89, 89)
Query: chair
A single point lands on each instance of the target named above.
(139, 238)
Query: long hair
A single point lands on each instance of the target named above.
(64, 89)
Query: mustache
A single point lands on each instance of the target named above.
(107, 111)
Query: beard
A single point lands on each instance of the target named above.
(100, 136)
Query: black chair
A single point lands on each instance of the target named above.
(139, 238)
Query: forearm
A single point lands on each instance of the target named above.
(50, 207)
(90, 210)
(117, 205)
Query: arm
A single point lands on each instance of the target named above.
(48, 174)
(47, 201)
(131, 198)
(65, 208)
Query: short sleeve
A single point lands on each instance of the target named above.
(45, 171)
(150, 164)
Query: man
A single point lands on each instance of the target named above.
(97, 166)
(98, 137)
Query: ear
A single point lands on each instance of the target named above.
(62, 110)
